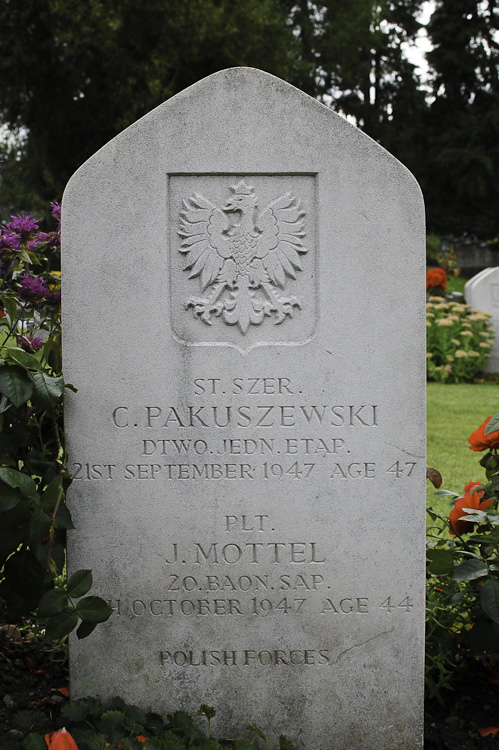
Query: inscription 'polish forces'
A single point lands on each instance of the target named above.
(234, 250)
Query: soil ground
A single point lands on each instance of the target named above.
(34, 676)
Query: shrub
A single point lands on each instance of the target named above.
(33, 477)
(458, 341)
(463, 567)
(92, 726)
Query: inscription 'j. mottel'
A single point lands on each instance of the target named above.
(255, 553)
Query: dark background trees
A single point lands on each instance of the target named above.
(75, 72)
(462, 122)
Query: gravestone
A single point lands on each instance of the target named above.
(244, 322)
(482, 293)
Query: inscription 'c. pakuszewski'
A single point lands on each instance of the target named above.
(238, 252)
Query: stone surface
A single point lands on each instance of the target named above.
(244, 321)
(482, 293)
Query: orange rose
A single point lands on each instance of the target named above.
(479, 441)
(470, 500)
(436, 277)
(60, 740)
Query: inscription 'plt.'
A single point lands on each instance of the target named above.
(238, 252)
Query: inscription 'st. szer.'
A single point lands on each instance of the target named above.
(237, 252)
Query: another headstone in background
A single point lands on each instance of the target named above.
(482, 293)
(244, 321)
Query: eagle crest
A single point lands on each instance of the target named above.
(242, 257)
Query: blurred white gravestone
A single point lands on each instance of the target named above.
(244, 321)
(482, 293)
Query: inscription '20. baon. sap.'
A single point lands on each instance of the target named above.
(237, 252)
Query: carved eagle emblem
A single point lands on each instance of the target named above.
(242, 257)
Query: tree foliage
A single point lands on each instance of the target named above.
(462, 122)
(75, 74)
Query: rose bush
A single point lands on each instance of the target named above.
(463, 566)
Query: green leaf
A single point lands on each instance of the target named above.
(208, 711)
(93, 609)
(493, 425)
(39, 525)
(78, 710)
(285, 744)
(489, 599)
(112, 723)
(484, 637)
(257, 732)
(25, 575)
(9, 498)
(470, 570)
(63, 518)
(80, 583)
(30, 721)
(34, 742)
(60, 625)
(443, 493)
(85, 628)
(20, 357)
(15, 384)
(52, 603)
(440, 562)
(4, 405)
(14, 478)
(98, 742)
(491, 538)
(46, 390)
(52, 493)
(10, 305)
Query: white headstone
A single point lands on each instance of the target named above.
(244, 321)
(482, 293)
(471, 282)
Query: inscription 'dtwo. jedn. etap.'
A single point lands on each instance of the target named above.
(237, 252)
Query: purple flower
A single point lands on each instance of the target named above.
(52, 239)
(56, 210)
(30, 343)
(8, 242)
(53, 298)
(32, 288)
(22, 225)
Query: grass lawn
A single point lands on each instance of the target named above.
(454, 412)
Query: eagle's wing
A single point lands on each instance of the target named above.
(280, 243)
(202, 227)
